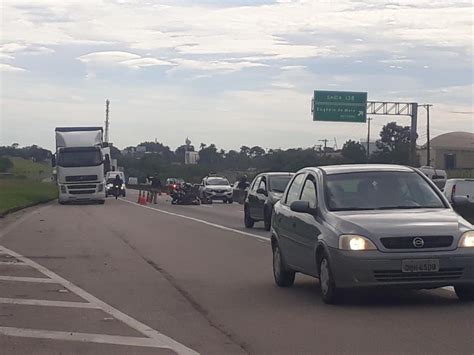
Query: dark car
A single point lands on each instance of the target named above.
(264, 191)
(371, 226)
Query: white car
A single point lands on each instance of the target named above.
(459, 187)
(215, 188)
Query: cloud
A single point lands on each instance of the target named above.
(127, 59)
(215, 65)
(10, 68)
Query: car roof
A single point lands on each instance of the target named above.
(462, 179)
(360, 168)
(276, 173)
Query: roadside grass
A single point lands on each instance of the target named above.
(29, 169)
(20, 193)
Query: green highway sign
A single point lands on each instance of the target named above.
(339, 106)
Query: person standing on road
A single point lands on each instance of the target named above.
(155, 188)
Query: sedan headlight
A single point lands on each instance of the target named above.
(355, 242)
(467, 240)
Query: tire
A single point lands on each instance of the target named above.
(267, 220)
(248, 221)
(101, 202)
(61, 202)
(230, 201)
(283, 277)
(330, 294)
(465, 293)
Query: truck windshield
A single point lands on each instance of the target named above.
(77, 158)
(379, 191)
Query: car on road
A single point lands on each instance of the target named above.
(215, 188)
(461, 187)
(358, 226)
(265, 190)
(110, 176)
(438, 176)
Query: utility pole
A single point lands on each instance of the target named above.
(428, 148)
(368, 137)
(107, 104)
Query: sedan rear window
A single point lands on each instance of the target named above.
(379, 190)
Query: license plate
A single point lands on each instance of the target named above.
(420, 265)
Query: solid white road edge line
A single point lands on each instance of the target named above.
(27, 279)
(200, 221)
(47, 303)
(82, 337)
(159, 340)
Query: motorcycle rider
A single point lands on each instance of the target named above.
(118, 182)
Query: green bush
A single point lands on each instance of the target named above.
(5, 164)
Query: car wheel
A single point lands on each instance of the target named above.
(230, 201)
(249, 222)
(283, 276)
(329, 291)
(465, 293)
(101, 202)
(267, 220)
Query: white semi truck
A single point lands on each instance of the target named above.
(79, 162)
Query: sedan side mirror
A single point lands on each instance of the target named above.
(262, 192)
(459, 201)
(302, 207)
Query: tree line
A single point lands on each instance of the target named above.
(161, 160)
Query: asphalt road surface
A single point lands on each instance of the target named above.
(121, 278)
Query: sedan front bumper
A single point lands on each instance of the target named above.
(354, 269)
(219, 195)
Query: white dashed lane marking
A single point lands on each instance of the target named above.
(151, 338)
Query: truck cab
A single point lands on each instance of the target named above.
(80, 164)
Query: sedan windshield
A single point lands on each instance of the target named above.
(278, 183)
(379, 191)
(77, 158)
(217, 181)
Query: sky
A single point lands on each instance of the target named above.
(229, 72)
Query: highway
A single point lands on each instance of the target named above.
(121, 278)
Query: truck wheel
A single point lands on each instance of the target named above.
(282, 275)
(101, 202)
(329, 292)
(465, 293)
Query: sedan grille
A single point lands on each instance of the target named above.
(398, 276)
(407, 242)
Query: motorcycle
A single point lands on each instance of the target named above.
(185, 195)
(116, 191)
